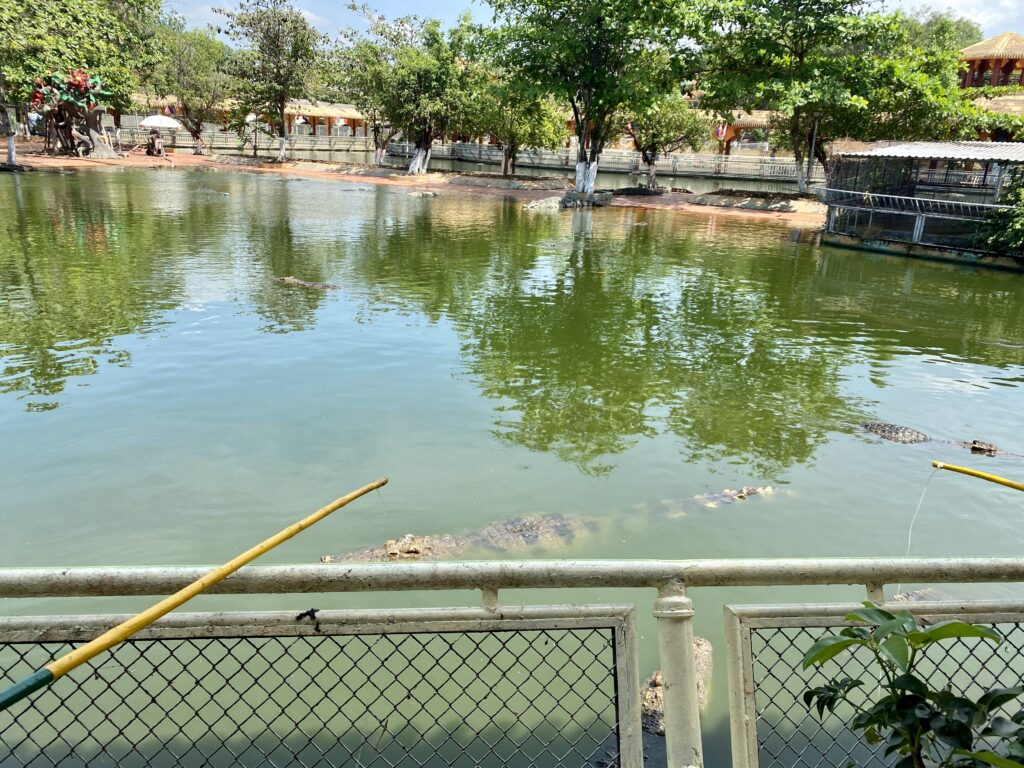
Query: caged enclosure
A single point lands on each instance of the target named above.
(932, 194)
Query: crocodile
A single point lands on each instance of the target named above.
(908, 436)
(530, 531)
(517, 533)
(289, 280)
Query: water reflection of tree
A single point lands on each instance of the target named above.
(91, 270)
(595, 331)
(282, 252)
(630, 341)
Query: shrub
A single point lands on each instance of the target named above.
(924, 725)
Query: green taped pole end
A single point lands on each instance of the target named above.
(38, 679)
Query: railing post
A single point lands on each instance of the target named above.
(674, 613)
(918, 228)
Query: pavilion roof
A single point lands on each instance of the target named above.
(982, 151)
(1010, 104)
(758, 118)
(1008, 45)
(322, 109)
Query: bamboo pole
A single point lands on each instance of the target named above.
(982, 475)
(59, 667)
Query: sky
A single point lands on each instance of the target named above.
(329, 16)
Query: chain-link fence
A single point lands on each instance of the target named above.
(789, 735)
(544, 697)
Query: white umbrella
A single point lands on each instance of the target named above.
(160, 121)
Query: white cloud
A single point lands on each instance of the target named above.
(994, 16)
(315, 18)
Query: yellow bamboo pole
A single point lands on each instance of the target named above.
(982, 475)
(126, 629)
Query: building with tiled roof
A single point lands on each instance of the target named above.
(996, 61)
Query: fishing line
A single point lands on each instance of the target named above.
(910, 530)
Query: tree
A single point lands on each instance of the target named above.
(597, 55)
(193, 71)
(667, 125)
(830, 69)
(432, 81)
(65, 103)
(515, 115)
(1004, 230)
(110, 39)
(927, 27)
(363, 69)
(277, 62)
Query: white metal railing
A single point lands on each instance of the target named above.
(959, 209)
(678, 164)
(229, 140)
(958, 178)
(672, 608)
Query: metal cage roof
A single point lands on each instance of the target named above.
(982, 151)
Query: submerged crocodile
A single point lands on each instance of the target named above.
(531, 531)
(900, 434)
(289, 280)
(517, 533)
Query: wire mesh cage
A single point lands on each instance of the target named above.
(541, 697)
(790, 735)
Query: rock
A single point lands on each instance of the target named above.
(101, 149)
(545, 204)
(575, 199)
(652, 692)
(423, 193)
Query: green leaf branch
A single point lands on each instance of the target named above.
(925, 726)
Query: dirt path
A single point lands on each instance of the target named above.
(804, 214)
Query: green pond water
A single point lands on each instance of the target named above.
(163, 400)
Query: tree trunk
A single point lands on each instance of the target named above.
(508, 158)
(421, 157)
(796, 140)
(5, 125)
(652, 170)
(380, 144)
(822, 157)
(282, 141)
(416, 164)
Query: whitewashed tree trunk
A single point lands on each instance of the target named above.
(420, 161)
(7, 130)
(652, 170)
(801, 176)
(586, 176)
(378, 156)
(282, 149)
(416, 164)
(796, 139)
